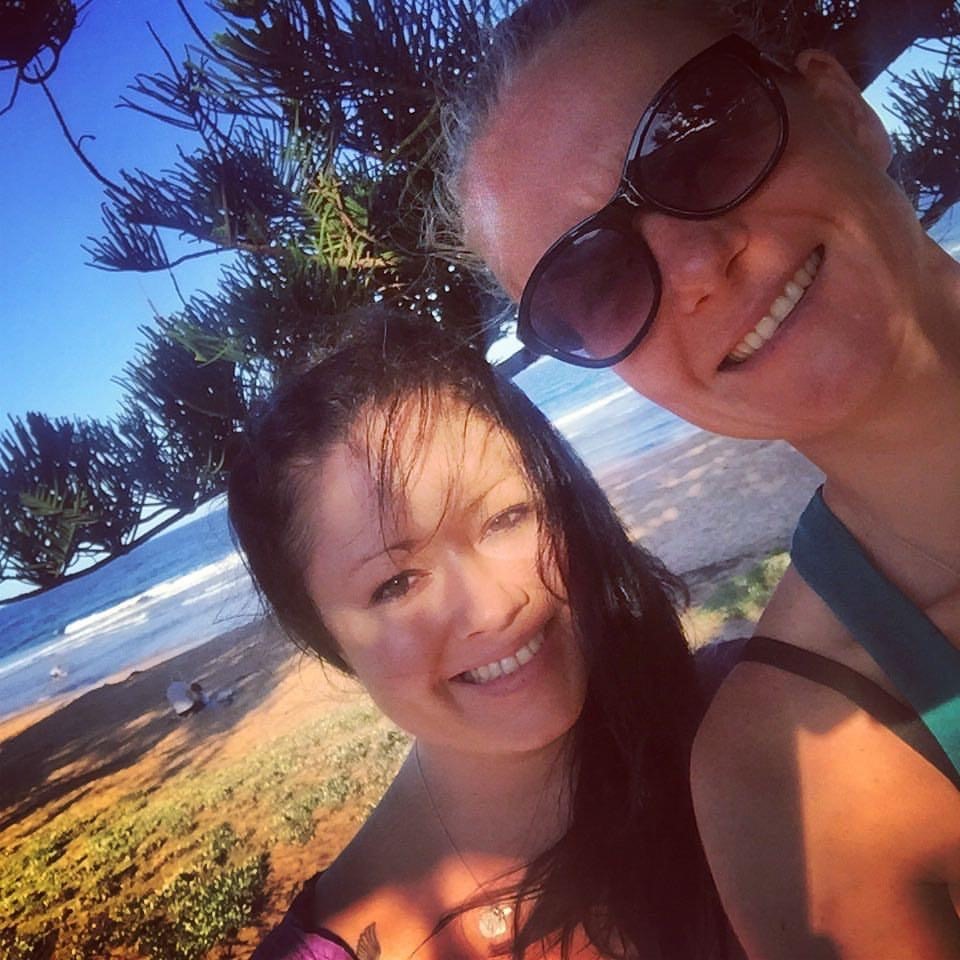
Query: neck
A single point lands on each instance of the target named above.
(893, 471)
(499, 812)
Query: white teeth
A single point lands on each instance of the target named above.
(767, 327)
(524, 655)
(509, 665)
(505, 666)
(780, 309)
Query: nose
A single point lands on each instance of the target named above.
(485, 595)
(696, 257)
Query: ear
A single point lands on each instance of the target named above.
(833, 88)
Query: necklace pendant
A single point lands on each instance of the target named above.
(493, 922)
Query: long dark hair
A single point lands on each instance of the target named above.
(629, 868)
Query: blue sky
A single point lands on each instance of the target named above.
(68, 328)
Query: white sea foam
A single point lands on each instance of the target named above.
(133, 612)
(125, 612)
(564, 421)
(217, 588)
(59, 645)
(111, 617)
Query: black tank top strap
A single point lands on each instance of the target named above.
(899, 718)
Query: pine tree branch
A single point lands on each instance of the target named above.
(198, 33)
(881, 32)
(121, 551)
(75, 145)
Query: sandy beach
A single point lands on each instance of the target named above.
(711, 507)
(708, 505)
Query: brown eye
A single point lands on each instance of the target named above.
(396, 587)
(509, 519)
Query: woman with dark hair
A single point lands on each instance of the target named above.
(660, 195)
(413, 520)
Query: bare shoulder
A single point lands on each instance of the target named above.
(827, 835)
(369, 895)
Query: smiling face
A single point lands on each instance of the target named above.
(437, 601)
(755, 336)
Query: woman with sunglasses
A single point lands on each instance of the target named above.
(661, 197)
(414, 521)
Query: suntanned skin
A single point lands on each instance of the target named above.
(461, 586)
(400, 873)
(828, 836)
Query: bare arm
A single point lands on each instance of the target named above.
(828, 836)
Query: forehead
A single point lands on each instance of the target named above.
(432, 467)
(551, 151)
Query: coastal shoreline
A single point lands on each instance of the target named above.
(675, 499)
(710, 506)
(52, 750)
(17, 720)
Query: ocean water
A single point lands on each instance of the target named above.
(604, 419)
(188, 585)
(178, 590)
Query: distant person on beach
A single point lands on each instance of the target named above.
(415, 521)
(660, 196)
(185, 698)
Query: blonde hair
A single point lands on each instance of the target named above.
(511, 45)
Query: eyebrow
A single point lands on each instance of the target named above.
(408, 545)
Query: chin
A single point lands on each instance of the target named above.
(532, 731)
(830, 392)
(840, 401)
(525, 743)
(520, 730)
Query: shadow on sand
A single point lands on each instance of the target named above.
(115, 726)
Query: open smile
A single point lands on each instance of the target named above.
(487, 672)
(793, 292)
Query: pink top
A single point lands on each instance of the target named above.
(295, 939)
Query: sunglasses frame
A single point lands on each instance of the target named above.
(619, 211)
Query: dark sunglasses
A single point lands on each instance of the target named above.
(708, 139)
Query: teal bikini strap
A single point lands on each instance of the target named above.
(920, 661)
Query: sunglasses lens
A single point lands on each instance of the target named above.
(708, 142)
(593, 296)
(712, 139)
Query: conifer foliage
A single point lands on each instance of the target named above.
(317, 135)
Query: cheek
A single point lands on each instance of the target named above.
(547, 571)
(520, 548)
(386, 651)
(657, 370)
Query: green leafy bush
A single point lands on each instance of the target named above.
(169, 871)
(196, 911)
(746, 596)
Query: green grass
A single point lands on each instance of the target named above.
(745, 596)
(168, 873)
(196, 910)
